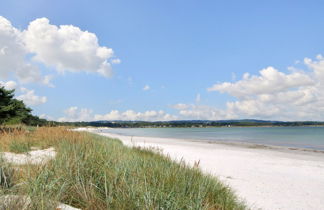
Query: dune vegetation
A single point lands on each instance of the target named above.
(94, 172)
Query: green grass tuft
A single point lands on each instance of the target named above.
(19, 147)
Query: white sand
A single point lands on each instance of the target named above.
(265, 178)
(63, 206)
(7, 201)
(32, 157)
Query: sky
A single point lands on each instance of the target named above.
(165, 60)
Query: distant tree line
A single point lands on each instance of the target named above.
(192, 123)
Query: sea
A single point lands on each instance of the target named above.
(292, 137)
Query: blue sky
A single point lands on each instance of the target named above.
(180, 50)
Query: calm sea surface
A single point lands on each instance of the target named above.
(299, 137)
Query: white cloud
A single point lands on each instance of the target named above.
(82, 114)
(202, 112)
(316, 66)
(297, 95)
(65, 47)
(9, 85)
(29, 97)
(146, 88)
(151, 115)
(75, 114)
(252, 108)
(13, 55)
(270, 80)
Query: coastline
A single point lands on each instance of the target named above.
(239, 143)
(265, 178)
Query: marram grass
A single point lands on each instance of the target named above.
(93, 172)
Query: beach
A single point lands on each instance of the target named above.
(266, 178)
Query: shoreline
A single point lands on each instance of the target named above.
(265, 178)
(226, 142)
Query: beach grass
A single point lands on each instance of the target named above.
(95, 172)
(19, 147)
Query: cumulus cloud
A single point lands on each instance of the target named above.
(83, 114)
(65, 47)
(146, 88)
(252, 108)
(13, 53)
(273, 94)
(29, 97)
(316, 66)
(270, 80)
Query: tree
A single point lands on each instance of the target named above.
(12, 111)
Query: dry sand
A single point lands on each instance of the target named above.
(32, 157)
(265, 178)
(23, 202)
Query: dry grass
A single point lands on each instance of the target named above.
(42, 138)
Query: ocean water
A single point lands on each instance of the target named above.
(296, 137)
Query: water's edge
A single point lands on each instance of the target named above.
(235, 143)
